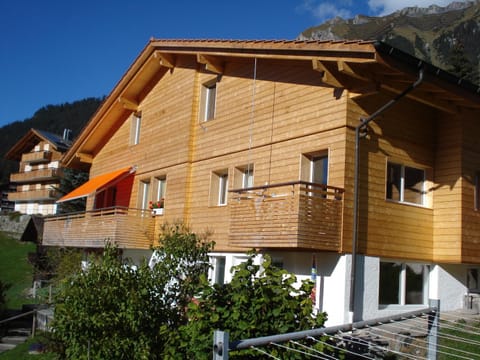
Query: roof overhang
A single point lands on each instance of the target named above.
(362, 67)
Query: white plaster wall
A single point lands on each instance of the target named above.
(448, 284)
(332, 276)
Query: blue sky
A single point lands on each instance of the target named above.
(57, 51)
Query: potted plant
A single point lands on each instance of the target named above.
(157, 206)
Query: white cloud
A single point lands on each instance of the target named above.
(325, 10)
(383, 7)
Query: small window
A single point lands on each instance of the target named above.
(314, 167)
(219, 188)
(161, 186)
(136, 122)
(208, 102)
(243, 177)
(144, 194)
(473, 281)
(405, 184)
(219, 270)
(402, 283)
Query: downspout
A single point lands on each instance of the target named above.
(360, 131)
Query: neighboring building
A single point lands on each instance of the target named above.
(257, 141)
(5, 204)
(39, 153)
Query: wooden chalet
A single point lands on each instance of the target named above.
(290, 147)
(39, 155)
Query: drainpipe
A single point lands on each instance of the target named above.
(360, 131)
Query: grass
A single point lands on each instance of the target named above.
(16, 270)
(21, 351)
(469, 333)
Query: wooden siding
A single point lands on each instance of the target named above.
(127, 228)
(269, 122)
(470, 215)
(404, 135)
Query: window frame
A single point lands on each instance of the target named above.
(307, 166)
(219, 180)
(403, 286)
(135, 126)
(160, 187)
(208, 106)
(244, 176)
(401, 184)
(144, 194)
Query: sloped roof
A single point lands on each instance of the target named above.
(32, 138)
(352, 65)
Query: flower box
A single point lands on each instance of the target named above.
(157, 211)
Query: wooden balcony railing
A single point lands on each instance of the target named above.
(37, 157)
(36, 175)
(125, 227)
(297, 215)
(33, 195)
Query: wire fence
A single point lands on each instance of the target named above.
(422, 334)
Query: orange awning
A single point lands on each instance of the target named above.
(94, 184)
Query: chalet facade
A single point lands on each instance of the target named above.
(314, 152)
(39, 154)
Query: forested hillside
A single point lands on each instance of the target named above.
(52, 118)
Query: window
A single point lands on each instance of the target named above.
(402, 283)
(161, 185)
(219, 270)
(208, 102)
(473, 283)
(219, 188)
(314, 167)
(243, 177)
(136, 122)
(144, 194)
(405, 184)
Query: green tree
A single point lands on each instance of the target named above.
(260, 300)
(71, 180)
(460, 65)
(116, 311)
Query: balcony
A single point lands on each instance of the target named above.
(294, 215)
(33, 195)
(127, 228)
(36, 175)
(37, 157)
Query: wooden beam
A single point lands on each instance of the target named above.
(327, 76)
(212, 64)
(85, 158)
(345, 68)
(128, 104)
(166, 60)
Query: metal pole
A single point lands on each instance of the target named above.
(433, 323)
(220, 345)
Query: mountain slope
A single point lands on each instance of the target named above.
(429, 33)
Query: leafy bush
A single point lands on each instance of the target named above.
(260, 300)
(113, 311)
